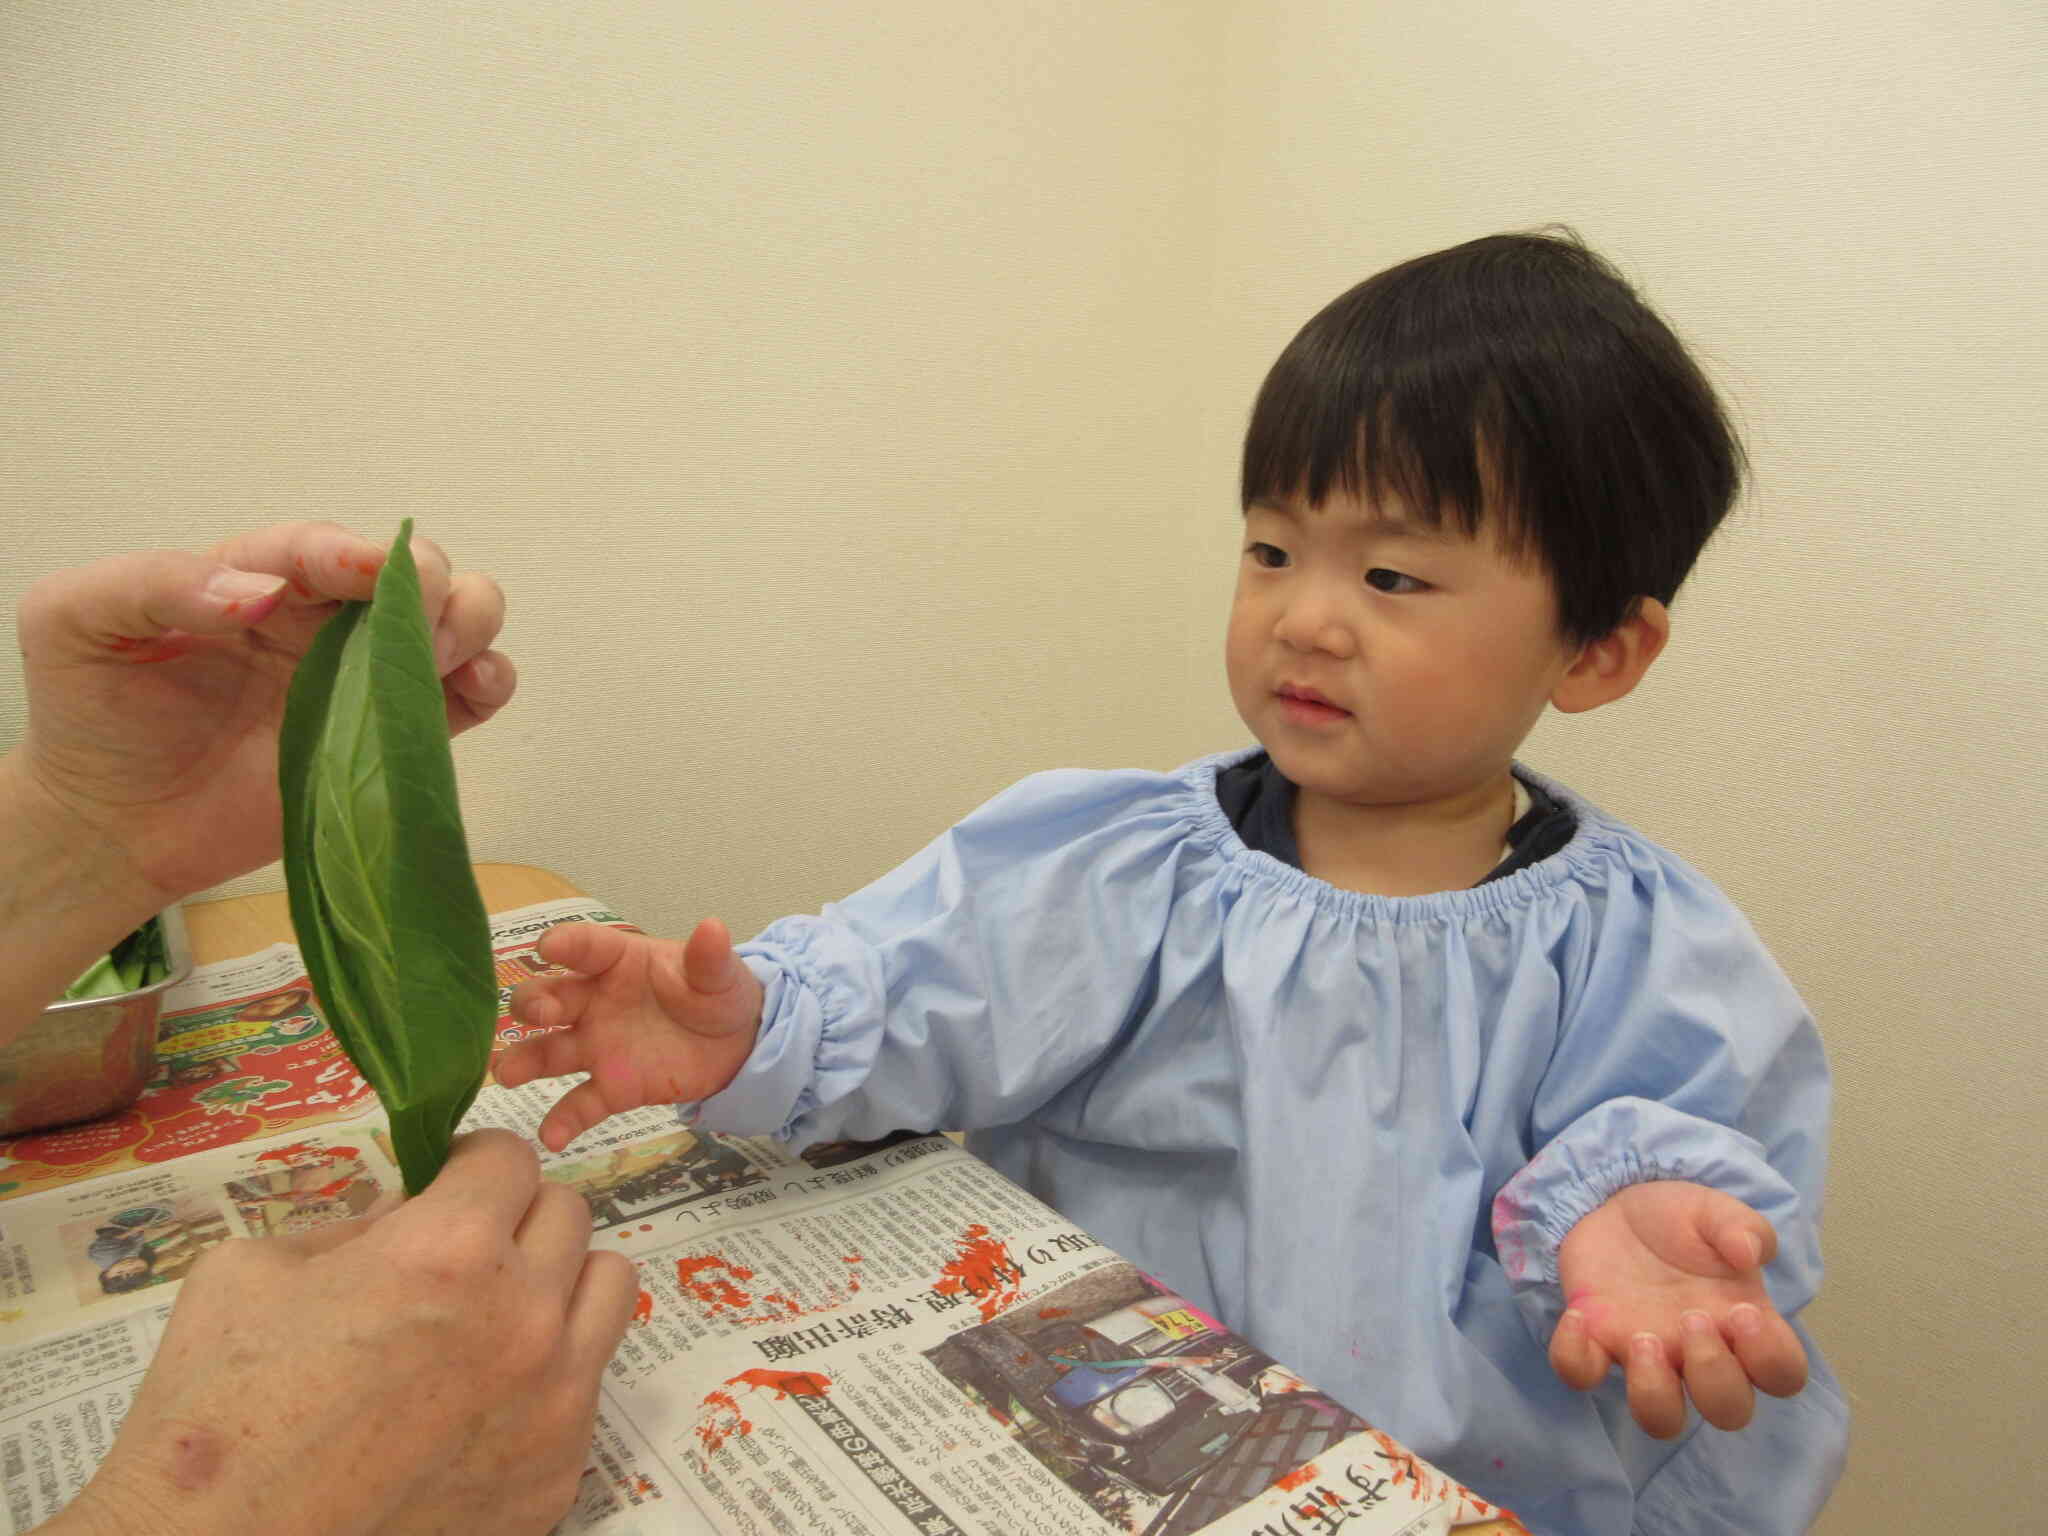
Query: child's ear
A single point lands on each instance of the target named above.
(1608, 668)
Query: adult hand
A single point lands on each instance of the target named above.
(653, 1021)
(1666, 1279)
(156, 683)
(430, 1369)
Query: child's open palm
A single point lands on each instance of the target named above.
(1666, 1279)
(653, 1021)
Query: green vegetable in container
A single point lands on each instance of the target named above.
(138, 961)
(383, 898)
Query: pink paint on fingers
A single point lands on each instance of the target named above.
(1588, 1306)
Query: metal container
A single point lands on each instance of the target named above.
(90, 1056)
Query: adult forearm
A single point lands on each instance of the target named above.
(65, 896)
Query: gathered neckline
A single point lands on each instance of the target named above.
(1594, 837)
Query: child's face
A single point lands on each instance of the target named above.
(1432, 654)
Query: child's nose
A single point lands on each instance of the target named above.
(1317, 621)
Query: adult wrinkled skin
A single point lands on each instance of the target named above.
(429, 1367)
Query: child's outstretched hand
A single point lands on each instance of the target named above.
(1666, 1279)
(653, 1021)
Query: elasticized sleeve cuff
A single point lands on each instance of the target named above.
(762, 1097)
(812, 1049)
(1634, 1141)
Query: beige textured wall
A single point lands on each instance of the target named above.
(848, 403)
(821, 382)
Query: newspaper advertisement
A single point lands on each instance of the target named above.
(881, 1339)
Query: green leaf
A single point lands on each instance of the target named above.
(383, 898)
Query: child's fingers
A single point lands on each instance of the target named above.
(1742, 1238)
(583, 1106)
(1769, 1350)
(708, 962)
(553, 1009)
(514, 1066)
(1576, 1355)
(590, 948)
(705, 987)
(1714, 1378)
(555, 1055)
(552, 1001)
(1655, 1399)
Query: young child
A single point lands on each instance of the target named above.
(1438, 1083)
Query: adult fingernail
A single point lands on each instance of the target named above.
(1571, 1324)
(228, 586)
(444, 653)
(489, 673)
(1648, 1347)
(1746, 1320)
(1698, 1324)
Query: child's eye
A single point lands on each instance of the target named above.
(1380, 579)
(1271, 556)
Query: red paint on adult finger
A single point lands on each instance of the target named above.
(143, 649)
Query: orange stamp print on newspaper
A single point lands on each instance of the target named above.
(1408, 1468)
(724, 1293)
(788, 1306)
(719, 1291)
(981, 1267)
(1298, 1478)
(783, 1383)
(719, 1418)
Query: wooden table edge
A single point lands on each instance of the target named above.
(227, 926)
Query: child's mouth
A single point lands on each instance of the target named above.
(1305, 706)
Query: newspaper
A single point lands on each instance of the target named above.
(880, 1339)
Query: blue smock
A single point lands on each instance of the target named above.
(1354, 1127)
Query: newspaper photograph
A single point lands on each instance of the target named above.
(886, 1338)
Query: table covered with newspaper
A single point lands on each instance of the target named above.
(878, 1339)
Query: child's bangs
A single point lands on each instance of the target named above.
(1432, 439)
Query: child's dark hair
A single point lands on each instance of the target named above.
(1515, 381)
